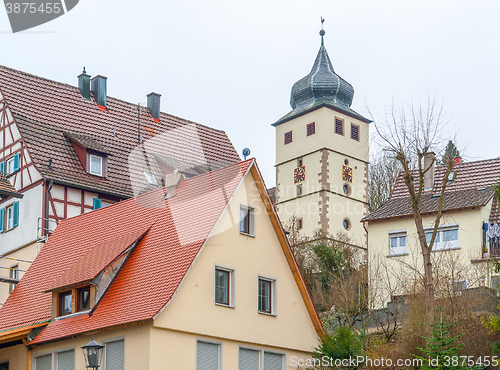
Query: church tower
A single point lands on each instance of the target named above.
(322, 155)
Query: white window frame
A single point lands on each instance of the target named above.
(439, 244)
(251, 210)
(101, 159)
(231, 280)
(14, 274)
(274, 305)
(262, 351)
(219, 346)
(9, 209)
(8, 163)
(399, 249)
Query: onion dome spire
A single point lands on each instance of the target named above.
(322, 84)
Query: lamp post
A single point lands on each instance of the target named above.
(92, 352)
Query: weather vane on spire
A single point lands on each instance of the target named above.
(322, 32)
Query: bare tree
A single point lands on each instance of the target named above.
(382, 174)
(412, 135)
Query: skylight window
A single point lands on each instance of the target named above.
(151, 179)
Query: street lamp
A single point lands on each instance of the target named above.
(92, 352)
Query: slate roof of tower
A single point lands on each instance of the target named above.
(50, 114)
(322, 87)
(471, 187)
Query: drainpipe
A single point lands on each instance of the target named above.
(47, 205)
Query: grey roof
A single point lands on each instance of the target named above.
(321, 87)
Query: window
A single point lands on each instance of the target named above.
(311, 129)
(300, 162)
(347, 224)
(4, 366)
(150, 179)
(247, 220)
(224, 286)
(11, 215)
(66, 360)
(266, 292)
(83, 299)
(354, 132)
(114, 353)
(346, 189)
(300, 224)
(446, 238)
(251, 359)
(95, 165)
(299, 190)
(43, 362)
(96, 203)
(12, 164)
(207, 356)
(339, 126)
(397, 243)
(14, 274)
(288, 137)
(65, 303)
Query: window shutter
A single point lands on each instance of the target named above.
(66, 360)
(17, 162)
(273, 361)
(207, 356)
(2, 220)
(2, 167)
(249, 359)
(15, 210)
(43, 362)
(97, 203)
(115, 352)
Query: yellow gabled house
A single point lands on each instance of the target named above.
(196, 275)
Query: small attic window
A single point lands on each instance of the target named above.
(151, 179)
(95, 165)
(83, 299)
(65, 303)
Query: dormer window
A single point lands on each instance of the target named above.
(95, 165)
(65, 303)
(83, 300)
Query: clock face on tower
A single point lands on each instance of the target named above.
(299, 174)
(346, 173)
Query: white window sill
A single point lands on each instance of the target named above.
(224, 305)
(397, 255)
(71, 315)
(250, 235)
(268, 314)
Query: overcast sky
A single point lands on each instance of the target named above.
(231, 64)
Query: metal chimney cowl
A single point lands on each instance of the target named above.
(99, 89)
(84, 85)
(154, 104)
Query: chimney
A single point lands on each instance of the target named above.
(172, 180)
(84, 85)
(457, 160)
(154, 105)
(429, 160)
(99, 89)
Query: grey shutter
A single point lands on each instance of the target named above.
(115, 352)
(207, 356)
(66, 360)
(43, 362)
(249, 359)
(273, 361)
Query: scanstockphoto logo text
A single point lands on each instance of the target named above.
(354, 362)
(24, 15)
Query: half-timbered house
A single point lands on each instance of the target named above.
(69, 150)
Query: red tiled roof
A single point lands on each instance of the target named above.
(178, 228)
(471, 187)
(6, 189)
(46, 110)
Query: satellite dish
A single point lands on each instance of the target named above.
(246, 153)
